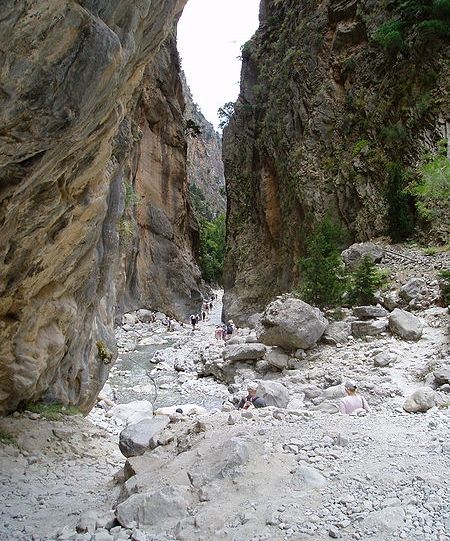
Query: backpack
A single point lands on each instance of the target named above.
(229, 329)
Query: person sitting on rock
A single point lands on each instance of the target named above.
(353, 403)
(252, 400)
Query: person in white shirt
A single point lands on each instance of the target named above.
(353, 403)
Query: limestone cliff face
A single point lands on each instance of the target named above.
(159, 235)
(69, 71)
(205, 166)
(325, 117)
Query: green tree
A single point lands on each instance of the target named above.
(212, 249)
(323, 278)
(365, 281)
(400, 205)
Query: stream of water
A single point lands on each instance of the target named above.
(132, 378)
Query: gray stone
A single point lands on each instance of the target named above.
(244, 352)
(420, 401)
(103, 535)
(307, 478)
(274, 393)
(442, 376)
(87, 522)
(334, 532)
(390, 300)
(138, 535)
(353, 256)
(384, 358)
(333, 392)
(337, 332)
(164, 507)
(136, 439)
(370, 327)
(145, 316)
(291, 324)
(368, 312)
(387, 519)
(133, 412)
(405, 324)
(412, 289)
(277, 357)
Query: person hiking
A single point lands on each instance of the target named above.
(203, 316)
(218, 333)
(252, 400)
(353, 403)
(229, 329)
(211, 305)
(193, 322)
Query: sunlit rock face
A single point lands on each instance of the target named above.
(327, 121)
(204, 165)
(158, 233)
(68, 74)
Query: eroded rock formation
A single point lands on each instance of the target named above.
(69, 74)
(328, 120)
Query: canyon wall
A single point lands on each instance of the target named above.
(340, 101)
(72, 165)
(158, 233)
(205, 166)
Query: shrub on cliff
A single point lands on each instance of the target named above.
(323, 280)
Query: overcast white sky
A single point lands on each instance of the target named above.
(210, 34)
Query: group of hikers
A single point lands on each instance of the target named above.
(225, 331)
(207, 306)
(352, 404)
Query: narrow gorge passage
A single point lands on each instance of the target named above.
(118, 422)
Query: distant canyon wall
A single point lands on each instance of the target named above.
(94, 213)
(334, 112)
(204, 166)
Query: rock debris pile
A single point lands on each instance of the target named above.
(195, 468)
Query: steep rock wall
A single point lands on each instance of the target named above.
(205, 166)
(159, 235)
(68, 73)
(324, 116)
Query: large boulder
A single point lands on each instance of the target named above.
(291, 324)
(369, 312)
(136, 439)
(244, 352)
(277, 357)
(420, 401)
(370, 327)
(274, 393)
(442, 376)
(164, 507)
(405, 324)
(412, 289)
(353, 256)
(145, 316)
(133, 412)
(384, 358)
(337, 332)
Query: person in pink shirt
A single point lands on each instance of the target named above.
(353, 403)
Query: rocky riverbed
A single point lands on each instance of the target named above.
(295, 470)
